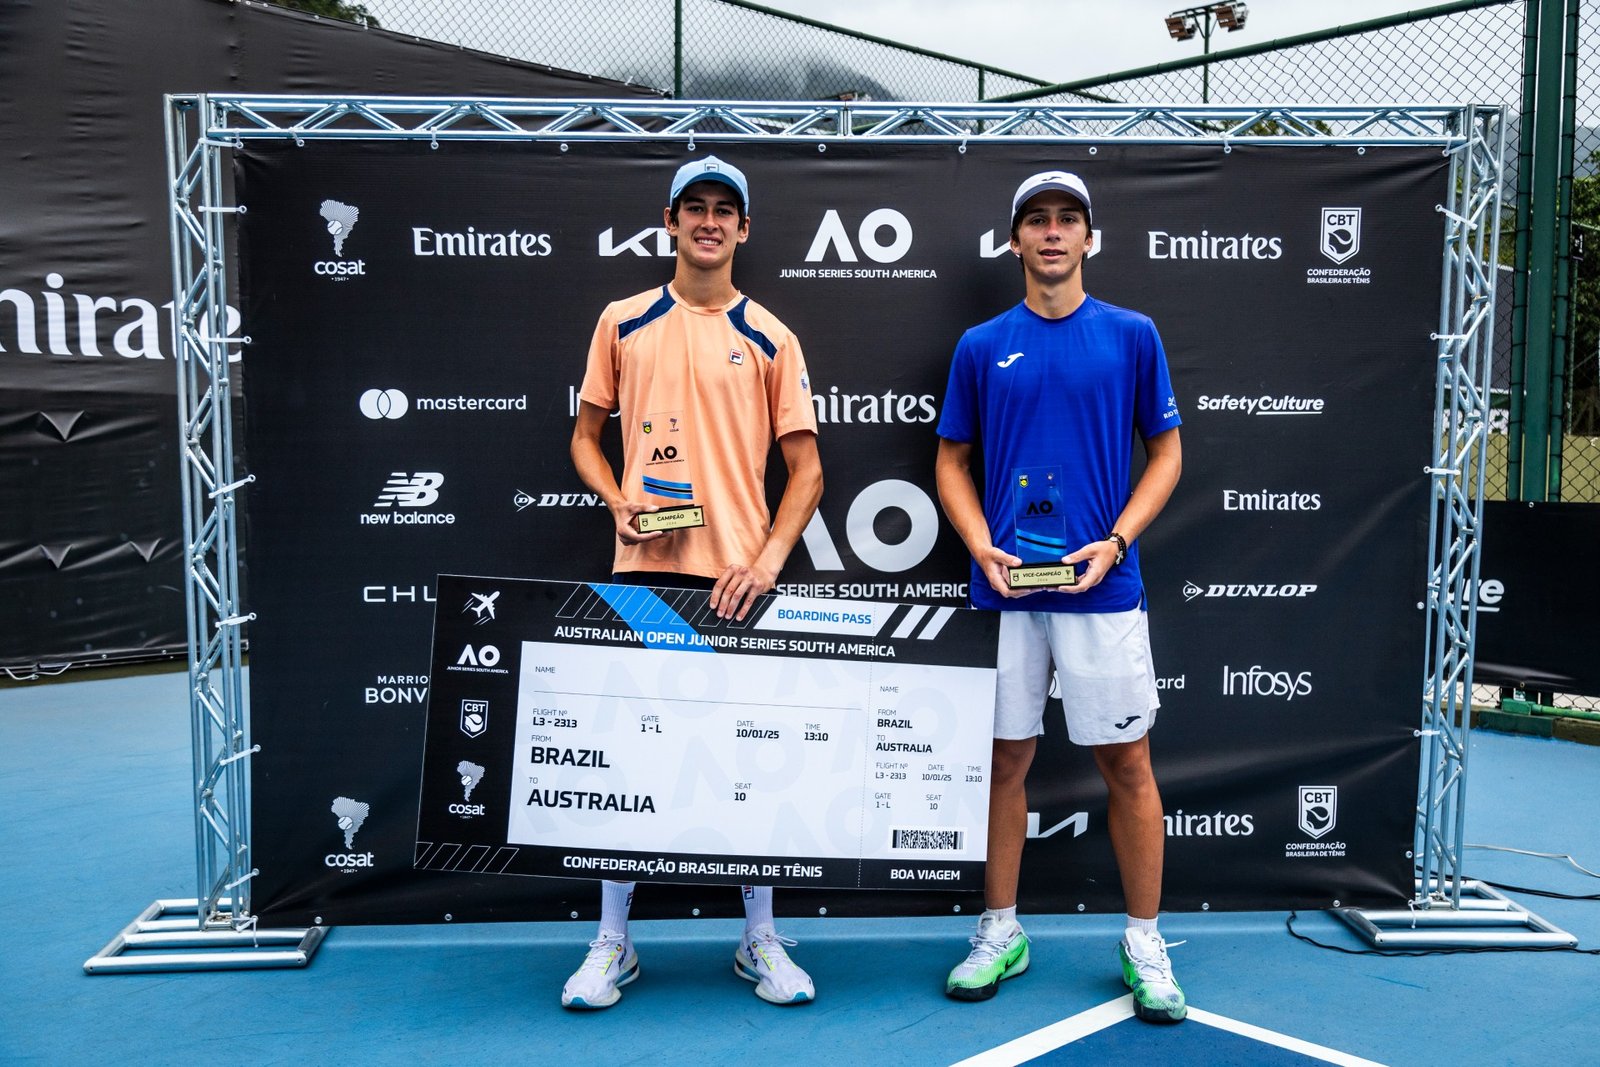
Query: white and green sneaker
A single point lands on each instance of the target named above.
(1147, 971)
(610, 964)
(999, 951)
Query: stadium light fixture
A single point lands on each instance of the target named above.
(1183, 25)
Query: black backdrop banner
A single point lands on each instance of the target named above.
(91, 544)
(430, 352)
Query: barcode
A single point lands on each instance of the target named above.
(935, 840)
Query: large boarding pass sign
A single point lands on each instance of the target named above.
(612, 731)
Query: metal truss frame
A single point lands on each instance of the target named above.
(202, 129)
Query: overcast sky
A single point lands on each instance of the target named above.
(1062, 40)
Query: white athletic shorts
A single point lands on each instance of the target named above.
(1103, 675)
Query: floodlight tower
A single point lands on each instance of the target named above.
(1183, 25)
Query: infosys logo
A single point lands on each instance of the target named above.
(1208, 245)
(394, 404)
(1257, 681)
(1245, 591)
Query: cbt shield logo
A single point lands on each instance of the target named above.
(474, 717)
(1341, 233)
(1319, 809)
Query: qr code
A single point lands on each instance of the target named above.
(934, 840)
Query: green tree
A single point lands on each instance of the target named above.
(334, 9)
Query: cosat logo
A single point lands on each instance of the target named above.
(1319, 809)
(1257, 681)
(350, 816)
(482, 606)
(469, 774)
(1247, 590)
(402, 490)
(1341, 233)
(474, 717)
(340, 219)
(384, 404)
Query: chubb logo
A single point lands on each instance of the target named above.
(384, 404)
(1341, 233)
(340, 219)
(870, 237)
(350, 816)
(1257, 681)
(469, 774)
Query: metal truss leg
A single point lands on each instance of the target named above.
(1484, 919)
(138, 948)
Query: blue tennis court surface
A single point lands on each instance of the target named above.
(95, 820)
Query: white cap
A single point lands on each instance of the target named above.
(1067, 183)
(710, 169)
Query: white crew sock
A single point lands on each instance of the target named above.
(757, 907)
(615, 900)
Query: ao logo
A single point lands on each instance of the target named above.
(832, 234)
(863, 538)
(384, 404)
(482, 656)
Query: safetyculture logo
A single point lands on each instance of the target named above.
(349, 816)
(340, 220)
(1263, 405)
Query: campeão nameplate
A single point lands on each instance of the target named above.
(682, 517)
(610, 731)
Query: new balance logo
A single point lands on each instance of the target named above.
(410, 490)
(1012, 358)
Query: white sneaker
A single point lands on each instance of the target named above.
(1148, 973)
(763, 960)
(999, 951)
(610, 964)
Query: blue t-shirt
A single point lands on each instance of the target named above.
(1054, 405)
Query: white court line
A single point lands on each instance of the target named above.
(1055, 1035)
(1272, 1037)
(1049, 1038)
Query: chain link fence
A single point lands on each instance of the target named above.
(700, 49)
(1469, 51)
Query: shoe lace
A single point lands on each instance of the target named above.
(602, 950)
(770, 946)
(987, 949)
(1157, 966)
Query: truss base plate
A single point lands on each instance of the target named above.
(1485, 919)
(167, 936)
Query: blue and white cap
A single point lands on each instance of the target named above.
(710, 169)
(1059, 180)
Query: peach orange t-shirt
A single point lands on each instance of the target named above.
(703, 393)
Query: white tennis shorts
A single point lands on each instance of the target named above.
(1103, 674)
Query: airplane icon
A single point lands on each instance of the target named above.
(480, 603)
